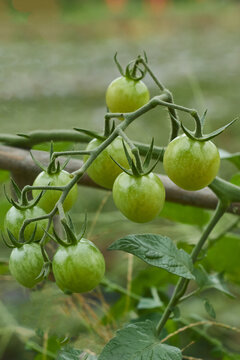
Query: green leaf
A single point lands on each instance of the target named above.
(233, 158)
(4, 270)
(185, 214)
(69, 353)
(149, 303)
(209, 308)
(224, 257)
(4, 176)
(157, 250)
(232, 357)
(137, 342)
(213, 281)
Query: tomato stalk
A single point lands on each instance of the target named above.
(182, 284)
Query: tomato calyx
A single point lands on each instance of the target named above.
(137, 168)
(71, 237)
(198, 135)
(18, 243)
(22, 202)
(133, 71)
(54, 167)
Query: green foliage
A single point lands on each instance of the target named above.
(224, 256)
(213, 281)
(158, 251)
(139, 341)
(185, 214)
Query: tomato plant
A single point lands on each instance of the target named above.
(49, 199)
(103, 171)
(15, 217)
(126, 95)
(191, 164)
(113, 160)
(139, 198)
(26, 263)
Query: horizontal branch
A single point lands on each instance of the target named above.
(24, 170)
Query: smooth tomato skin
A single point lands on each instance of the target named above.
(14, 220)
(49, 199)
(140, 199)
(26, 263)
(78, 268)
(126, 95)
(103, 171)
(191, 164)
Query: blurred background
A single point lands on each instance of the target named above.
(56, 61)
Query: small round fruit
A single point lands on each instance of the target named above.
(14, 220)
(103, 171)
(140, 198)
(126, 95)
(191, 164)
(49, 199)
(78, 268)
(26, 263)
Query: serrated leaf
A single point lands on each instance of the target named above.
(157, 250)
(209, 308)
(137, 342)
(213, 281)
(69, 353)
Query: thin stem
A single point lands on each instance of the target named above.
(157, 82)
(172, 112)
(198, 122)
(188, 296)
(107, 126)
(28, 188)
(119, 289)
(68, 153)
(183, 283)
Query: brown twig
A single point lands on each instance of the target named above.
(24, 170)
(200, 323)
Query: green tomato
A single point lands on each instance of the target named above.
(126, 95)
(140, 198)
(191, 164)
(78, 268)
(49, 199)
(26, 263)
(103, 171)
(14, 220)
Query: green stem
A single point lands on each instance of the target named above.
(175, 124)
(183, 283)
(155, 79)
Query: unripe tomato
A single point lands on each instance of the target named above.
(126, 95)
(140, 198)
(78, 268)
(26, 263)
(103, 171)
(49, 199)
(191, 164)
(14, 220)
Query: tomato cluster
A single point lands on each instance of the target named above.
(78, 265)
